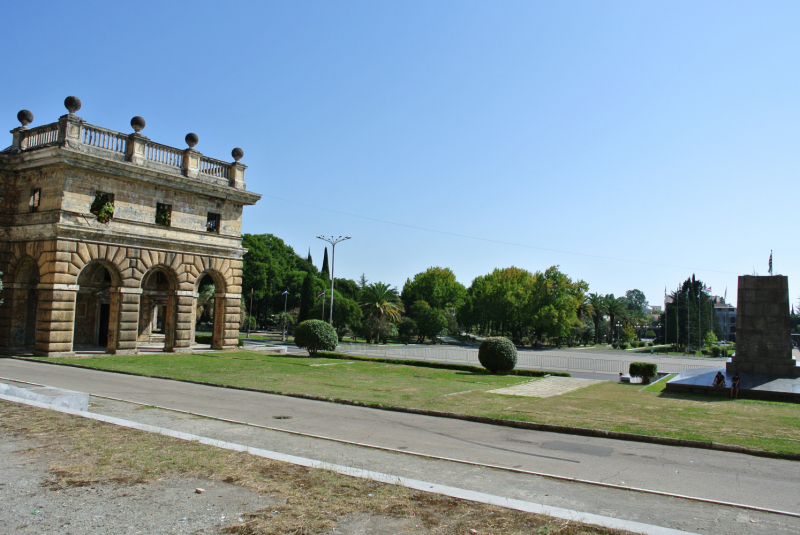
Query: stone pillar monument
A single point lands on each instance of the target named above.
(763, 330)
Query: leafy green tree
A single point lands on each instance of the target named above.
(431, 322)
(436, 286)
(407, 329)
(381, 301)
(554, 303)
(709, 339)
(684, 325)
(348, 288)
(635, 300)
(628, 333)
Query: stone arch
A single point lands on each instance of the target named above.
(110, 256)
(158, 306)
(214, 305)
(24, 302)
(97, 305)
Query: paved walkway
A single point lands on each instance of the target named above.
(545, 388)
(723, 476)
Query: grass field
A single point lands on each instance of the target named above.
(86, 453)
(613, 406)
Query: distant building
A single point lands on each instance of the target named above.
(726, 317)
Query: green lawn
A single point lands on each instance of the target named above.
(612, 406)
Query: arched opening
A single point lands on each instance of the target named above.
(210, 310)
(25, 305)
(93, 308)
(157, 311)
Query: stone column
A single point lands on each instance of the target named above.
(226, 323)
(186, 302)
(226, 332)
(127, 320)
(135, 148)
(237, 175)
(7, 295)
(69, 130)
(190, 166)
(55, 319)
(170, 317)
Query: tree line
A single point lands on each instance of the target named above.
(528, 307)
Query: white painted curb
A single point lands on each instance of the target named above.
(463, 494)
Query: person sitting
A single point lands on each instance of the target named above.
(719, 380)
(735, 385)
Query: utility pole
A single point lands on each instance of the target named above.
(333, 241)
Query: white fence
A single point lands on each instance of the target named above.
(528, 359)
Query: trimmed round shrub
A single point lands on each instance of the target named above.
(497, 354)
(315, 335)
(615, 345)
(623, 345)
(645, 370)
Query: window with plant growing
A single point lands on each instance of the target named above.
(212, 222)
(164, 214)
(103, 206)
(36, 196)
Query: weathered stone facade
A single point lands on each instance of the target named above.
(763, 328)
(72, 280)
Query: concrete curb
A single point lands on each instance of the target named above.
(518, 424)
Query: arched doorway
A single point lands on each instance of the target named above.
(25, 304)
(93, 308)
(157, 310)
(210, 310)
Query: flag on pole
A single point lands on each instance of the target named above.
(285, 292)
(770, 262)
(251, 292)
(725, 299)
(321, 294)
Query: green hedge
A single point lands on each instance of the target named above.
(202, 338)
(315, 335)
(497, 354)
(645, 370)
(437, 365)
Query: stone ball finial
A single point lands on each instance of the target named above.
(72, 104)
(191, 140)
(237, 154)
(138, 124)
(25, 117)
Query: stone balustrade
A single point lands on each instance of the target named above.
(73, 132)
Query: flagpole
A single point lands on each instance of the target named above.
(251, 313)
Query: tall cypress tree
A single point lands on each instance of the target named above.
(326, 272)
(306, 297)
(309, 257)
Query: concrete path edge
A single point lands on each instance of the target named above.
(454, 492)
(518, 424)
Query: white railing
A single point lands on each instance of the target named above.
(104, 139)
(163, 154)
(212, 167)
(528, 359)
(40, 136)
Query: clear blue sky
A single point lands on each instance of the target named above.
(659, 132)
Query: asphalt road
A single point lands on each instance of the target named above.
(709, 474)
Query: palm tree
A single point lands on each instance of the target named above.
(205, 301)
(381, 301)
(598, 304)
(614, 308)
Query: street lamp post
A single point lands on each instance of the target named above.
(618, 324)
(333, 241)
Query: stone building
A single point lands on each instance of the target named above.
(108, 236)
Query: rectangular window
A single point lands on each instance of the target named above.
(164, 214)
(36, 196)
(212, 222)
(103, 206)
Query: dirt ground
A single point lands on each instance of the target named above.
(61, 474)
